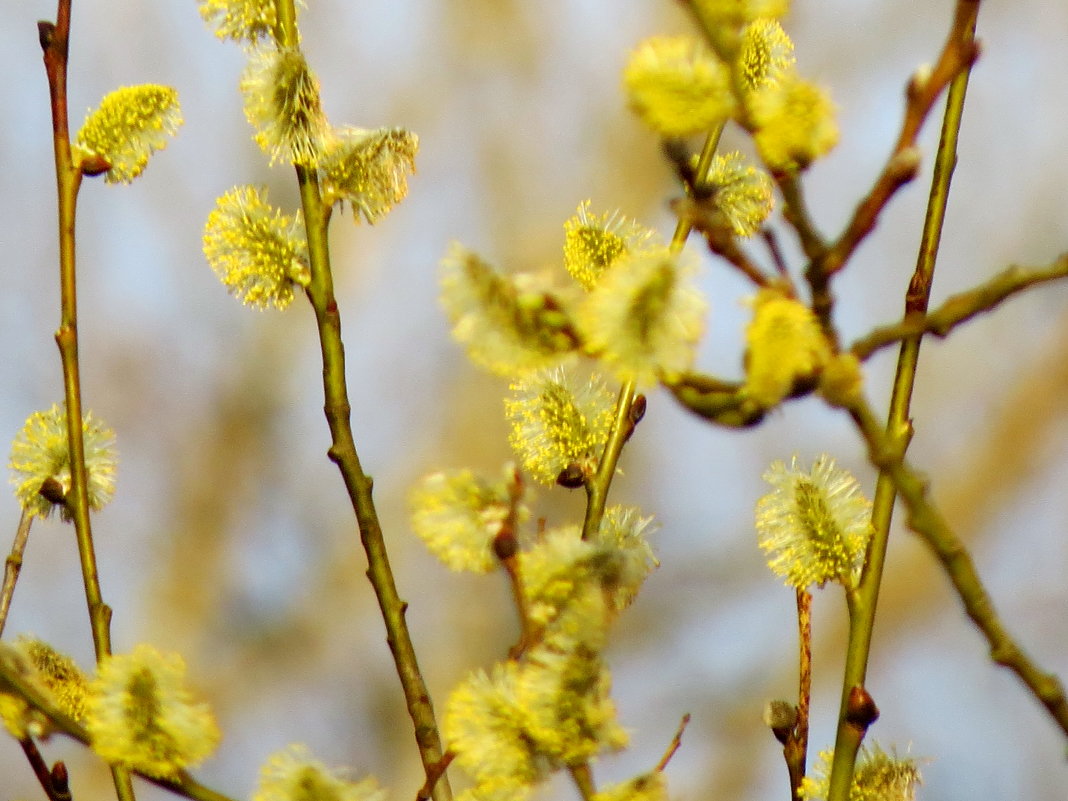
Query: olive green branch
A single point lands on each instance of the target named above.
(54, 39)
(13, 566)
(54, 42)
(343, 453)
(627, 415)
(961, 307)
(927, 521)
(958, 55)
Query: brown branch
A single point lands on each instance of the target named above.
(958, 53)
(795, 750)
(13, 566)
(43, 774)
(675, 743)
(795, 211)
(710, 222)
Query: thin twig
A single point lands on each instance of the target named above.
(795, 211)
(54, 40)
(597, 486)
(795, 750)
(958, 54)
(777, 258)
(674, 745)
(40, 769)
(13, 566)
(961, 307)
(694, 183)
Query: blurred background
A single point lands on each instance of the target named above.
(230, 539)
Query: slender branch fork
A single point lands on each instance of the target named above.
(825, 259)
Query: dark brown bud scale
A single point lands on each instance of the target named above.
(861, 710)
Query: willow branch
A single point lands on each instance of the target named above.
(795, 750)
(597, 486)
(853, 720)
(13, 566)
(359, 485)
(54, 39)
(627, 412)
(958, 54)
(674, 745)
(962, 307)
(927, 521)
(343, 453)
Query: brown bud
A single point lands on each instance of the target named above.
(94, 165)
(571, 476)
(861, 710)
(52, 491)
(60, 779)
(781, 718)
(505, 545)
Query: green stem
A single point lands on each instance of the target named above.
(622, 426)
(597, 487)
(704, 164)
(582, 776)
(54, 43)
(343, 453)
(54, 39)
(863, 600)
